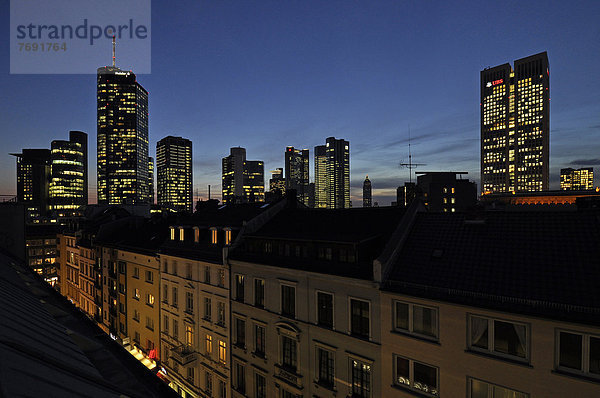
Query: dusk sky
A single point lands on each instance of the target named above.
(267, 74)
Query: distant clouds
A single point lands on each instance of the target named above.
(585, 162)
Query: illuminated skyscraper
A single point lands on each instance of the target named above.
(69, 181)
(577, 180)
(367, 198)
(33, 181)
(277, 182)
(515, 126)
(151, 179)
(296, 172)
(321, 181)
(174, 172)
(243, 181)
(338, 173)
(122, 137)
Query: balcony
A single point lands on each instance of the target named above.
(184, 354)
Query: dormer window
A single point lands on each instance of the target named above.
(213, 236)
(227, 236)
(196, 235)
(172, 233)
(181, 234)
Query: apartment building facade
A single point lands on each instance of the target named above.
(304, 307)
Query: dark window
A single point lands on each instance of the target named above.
(510, 338)
(240, 378)
(595, 355)
(288, 301)
(361, 380)
(570, 350)
(326, 367)
(259, 342)
(240, 332)
(325, 309)
(260, 386)
(359, 318)
(259, 293)
(239, 288)
(121, 267)
(207, 309)
(207, 274)
(288, 350)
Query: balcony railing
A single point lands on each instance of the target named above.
(184, 354)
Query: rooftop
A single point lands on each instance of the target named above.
(540, 263)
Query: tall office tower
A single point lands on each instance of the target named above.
(69, 170)
(33, 181)
(577, 180)
(277, 182)
(338, 173)
(151, 180)
(122, 137)
(321, 190)
(515, 126)
(296, 172)
(367, 198)
(243, 180)
(174, 173)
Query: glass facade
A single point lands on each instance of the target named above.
(577, 180)
(297, 172)
(174, 173)
(122, 105)
(68, 185)
(243, 181)
(515, 126)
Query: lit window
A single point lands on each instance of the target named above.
(181, 234)
(222, 351)
(196, 235)
(416, 376)
(483, 389)
(208, 344)
(149, 299)
(227, 236)
(189, 335)
(213, 236)
(361, 379)
(172, 233)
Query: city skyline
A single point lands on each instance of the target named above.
(381, 63)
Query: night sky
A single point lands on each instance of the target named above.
(267, 74)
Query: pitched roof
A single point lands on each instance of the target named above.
(332, 225)
(534, 262)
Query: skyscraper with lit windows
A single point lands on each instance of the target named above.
(577, 179)
(243, 181)
(321, 181)
(69, 182)
(338, 173)
(151, 179)
(515, 126)
(296, 172)
(122, 106)
(33, 181)
(174, 173)
(367, 193)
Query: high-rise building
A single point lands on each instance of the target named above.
(151, 179)
(69, 181)
(321, 181)
(515, 126)
(577, 179)
(122, 137)
(406, 194)
(296, 172)
(338, 173)
(443, 192)
(367, 198)
(174, 173)
(33, 181)
(243, 180)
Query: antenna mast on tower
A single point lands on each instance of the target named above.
(410, 165)
(114, 58)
